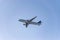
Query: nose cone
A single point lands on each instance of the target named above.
(20, 20)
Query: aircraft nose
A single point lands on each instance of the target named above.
(19, 20)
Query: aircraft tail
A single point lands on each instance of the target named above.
(39, 22)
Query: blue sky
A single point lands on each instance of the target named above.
(46, 10)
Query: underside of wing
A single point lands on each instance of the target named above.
(26, 25)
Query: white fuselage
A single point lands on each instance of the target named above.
(27, 21)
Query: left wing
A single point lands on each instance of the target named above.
(21, 20)
(27, 25)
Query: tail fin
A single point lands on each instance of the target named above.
(39, 22)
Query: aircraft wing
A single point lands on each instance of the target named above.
(21, 20)
(33, 18)
(27, 25)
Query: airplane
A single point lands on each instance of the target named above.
(27, 22)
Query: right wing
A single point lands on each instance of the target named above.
(21, 20)
(33, 18)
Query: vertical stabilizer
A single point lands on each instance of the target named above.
(39, 22)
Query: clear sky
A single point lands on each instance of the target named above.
(48, 11)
